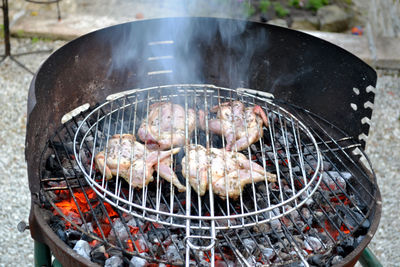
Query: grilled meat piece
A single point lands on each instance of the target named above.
(165, 126)
(240, 126)
(230, 171)
(129, 153)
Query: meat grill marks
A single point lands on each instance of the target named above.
(356, 194)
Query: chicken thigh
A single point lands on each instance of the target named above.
(126, 158)
(230, 171)
(240, 126)
(165, 126)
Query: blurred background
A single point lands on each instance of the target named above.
(368, 28)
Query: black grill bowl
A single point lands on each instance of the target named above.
(295, 67)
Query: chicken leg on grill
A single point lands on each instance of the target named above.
(126, 158)
(230, 171)
(165, 126)
(240, 126)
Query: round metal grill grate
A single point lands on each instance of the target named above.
(109, 131)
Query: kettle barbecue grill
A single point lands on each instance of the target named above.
(325, 205)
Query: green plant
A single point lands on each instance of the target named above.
(280, 10)
(1, 31)
(249, 9)
(264, 6)
(19, 33)
(295, 3)
(316, 4)
(34, 40)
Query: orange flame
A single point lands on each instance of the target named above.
(69, 208)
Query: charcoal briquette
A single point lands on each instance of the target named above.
(61, 234)
(316, 260)
(98, 257)
(114, 261)
(337, 259)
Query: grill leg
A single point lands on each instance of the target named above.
(368, 259)
(42, 256)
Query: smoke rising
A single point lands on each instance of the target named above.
(173, 49)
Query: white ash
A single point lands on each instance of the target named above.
(70, 167)
(192, 263)
(294, 215)
(119, 230)
(229, 263)
(306, 195)
(114, 261)
(312, 243)
(333, 181)
(289, 137)
(201, 255)
(82, 248)
(311, 165)
(173, 253)
(267, 253)
(132, 222)
(320, 216)
(84, 126)
(142, 241)
(88, 227)
(138, 261)
(249, 244)
(337, 259)
(288, 190)
(262, 228)
(251, 259)
(306, 213)
(275, 224)
(284, 256)
(178, 242)
(203, 263)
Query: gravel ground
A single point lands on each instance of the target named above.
(383, 148)
(16, 248)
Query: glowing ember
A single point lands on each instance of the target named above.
(72, 208)
(331, 230)
(86, 205)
